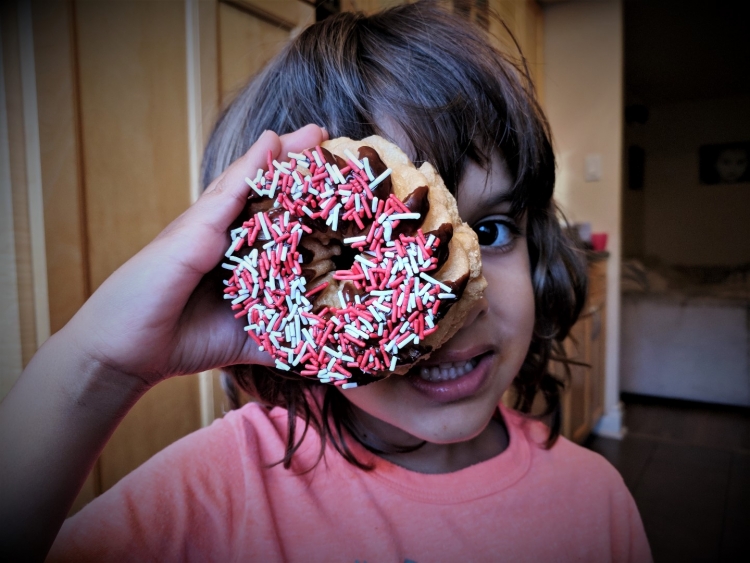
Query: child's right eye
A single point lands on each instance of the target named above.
(496, 233)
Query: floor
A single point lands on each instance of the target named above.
(687, 465)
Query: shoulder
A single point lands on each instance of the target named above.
(237, 432)
(197, 487)
(583, 496)
(261, 435)
(565, 461)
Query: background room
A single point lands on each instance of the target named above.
(684, 345)
(105, 108)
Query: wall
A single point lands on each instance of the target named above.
(583, 55)
(676, 219)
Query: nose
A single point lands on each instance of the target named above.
(477, 311)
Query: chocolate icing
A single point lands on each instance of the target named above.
(444, 233)
(411, 354)
(254, 207)
(383, 189)
(457, 288)
(307, 254)
(417, 202)
(349, 291)
(340, 162)
(327, 156)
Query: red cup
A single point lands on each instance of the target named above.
(599, 241)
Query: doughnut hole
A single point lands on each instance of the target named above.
(318, 258)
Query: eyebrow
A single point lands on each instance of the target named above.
(498, 199)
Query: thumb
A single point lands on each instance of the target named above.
(226, 196)
(207, 221)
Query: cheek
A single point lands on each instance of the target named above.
(373, 398)
(511, 297)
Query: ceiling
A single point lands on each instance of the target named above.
(686, 50)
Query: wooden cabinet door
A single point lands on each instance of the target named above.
(576, 403)
(598, 341)
(122, 124)
(114, 170)
(525, 20)
(583, 399)
(250, 33)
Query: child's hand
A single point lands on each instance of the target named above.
(156, 316)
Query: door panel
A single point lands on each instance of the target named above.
(133, 110)
(11, 52)
(578, 347)
(249, 37)
(115, 146)
(64, 205)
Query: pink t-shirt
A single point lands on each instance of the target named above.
(211, 497)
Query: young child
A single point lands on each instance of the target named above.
(424, 467)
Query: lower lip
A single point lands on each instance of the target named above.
(454, 389)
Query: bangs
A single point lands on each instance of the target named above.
(425, 71)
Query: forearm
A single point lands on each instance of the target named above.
(53, 425)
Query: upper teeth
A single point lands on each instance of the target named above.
(444, 372)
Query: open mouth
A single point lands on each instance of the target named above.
(448, 370)
(452, 381)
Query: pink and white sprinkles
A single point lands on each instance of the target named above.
(396, 300)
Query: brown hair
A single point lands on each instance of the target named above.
(436, 77)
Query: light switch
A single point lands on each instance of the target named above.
(593, 167)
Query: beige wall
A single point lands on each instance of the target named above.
(676, 219)
(583, 55)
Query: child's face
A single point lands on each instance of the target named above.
(495, 337)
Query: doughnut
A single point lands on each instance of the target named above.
(349, 264)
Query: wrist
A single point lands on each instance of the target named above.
(54, 423)
(88, 380)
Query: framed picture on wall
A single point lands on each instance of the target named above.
(726, 163)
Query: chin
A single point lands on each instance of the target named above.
(439, 407)
(469, 427)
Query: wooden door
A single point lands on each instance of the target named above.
(113, 104)
(250, 33)
(106, 108)
(576, 419)
(523, 23)
(598, 342)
